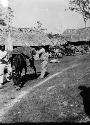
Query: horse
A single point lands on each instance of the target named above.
(28, 53)
(18, 63)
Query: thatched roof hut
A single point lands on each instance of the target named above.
(23, 36)
(75, 35)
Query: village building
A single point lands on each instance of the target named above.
(77, 36)
(25, 36)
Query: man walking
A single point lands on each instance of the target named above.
(43, 55)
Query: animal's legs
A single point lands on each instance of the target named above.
(32, 65)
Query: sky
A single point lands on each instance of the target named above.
(51, 13)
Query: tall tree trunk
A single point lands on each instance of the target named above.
(85, 23)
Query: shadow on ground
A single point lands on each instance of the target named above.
(85, 93)
(28, 77)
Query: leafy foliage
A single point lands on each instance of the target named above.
(39, 26)
(2, 22)
(82, 7)
(6, 15)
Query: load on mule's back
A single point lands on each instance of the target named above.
(18, 58)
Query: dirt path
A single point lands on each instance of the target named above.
(22, 94)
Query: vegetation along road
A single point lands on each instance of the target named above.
(53, 99)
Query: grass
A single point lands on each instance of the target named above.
(57, 100)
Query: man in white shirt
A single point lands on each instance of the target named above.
(43, 55)
(4, 65)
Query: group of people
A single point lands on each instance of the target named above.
(5, 66)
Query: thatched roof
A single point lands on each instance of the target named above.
(58, 41)
(74, 35)
(23, 36)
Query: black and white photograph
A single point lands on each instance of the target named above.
(44, 61)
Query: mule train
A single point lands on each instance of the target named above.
(16, 62)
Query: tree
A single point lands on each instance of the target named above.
(2, 22)
(6, 15)
(9, 16)
(50, 35)
(39, 26)
(8, 20)
(82, 7)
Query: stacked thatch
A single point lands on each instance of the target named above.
(75, 35)
(26, 36)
